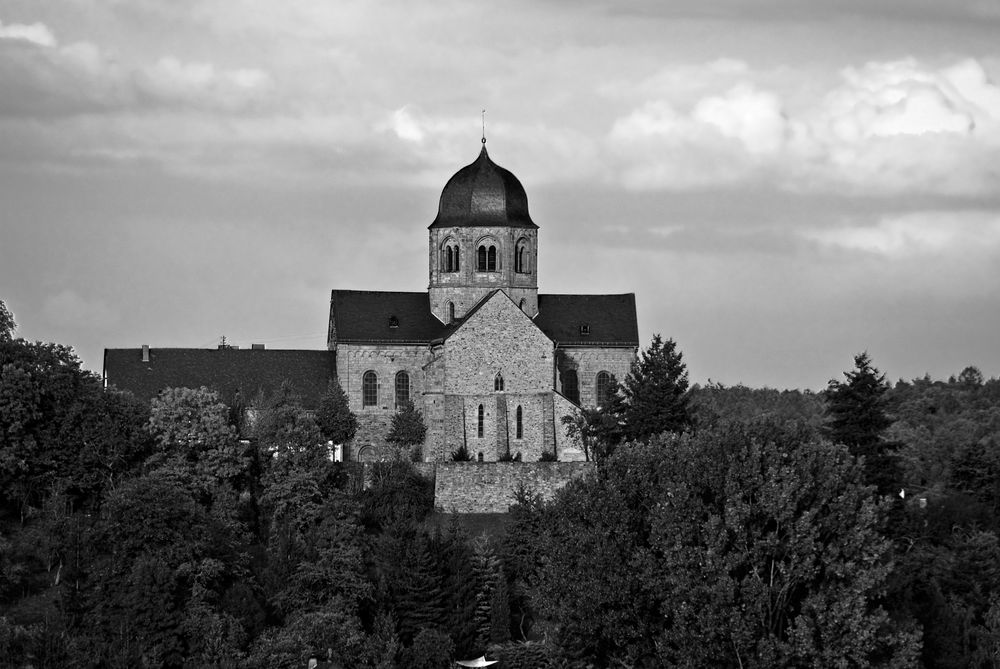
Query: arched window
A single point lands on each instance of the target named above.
(480, 457)
(369, 390)
(603, 388)
(451, 312)
(450, 264)
(456, 258)
(486, 256)
(519, 433)
(522, 303)
(498, 382)
(480, 422)
(521, 257)
(402, 389)
(571, 386)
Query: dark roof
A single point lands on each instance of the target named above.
(227, 371)
(364, 317)
(483, 194)
(610, 319)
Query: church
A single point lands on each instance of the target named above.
(492, 364)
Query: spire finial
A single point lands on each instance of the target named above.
(484, 128)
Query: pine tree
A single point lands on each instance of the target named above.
(336, 420)
(489, 574)
(656, 392)
(856, 417)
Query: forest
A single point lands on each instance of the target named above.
(717, 527)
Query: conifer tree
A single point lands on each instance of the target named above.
(336, 420)
(408, 428)
(857, 418)
(656, 392)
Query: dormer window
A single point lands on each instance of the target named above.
(393, 322)
(585, 329)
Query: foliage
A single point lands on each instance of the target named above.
(432, 649)
(397, 493)
(599, 430)
(7, 324)
(408, 428)
(857, 418)
(461, 454)
(715, 403)
(745, 546)
(655, 391)
(336, 421)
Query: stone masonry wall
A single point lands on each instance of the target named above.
(467, 286)
(589, 361)
(472, 487)
(498, 338)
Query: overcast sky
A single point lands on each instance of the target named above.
(781, 183)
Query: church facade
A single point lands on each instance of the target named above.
(492, 364)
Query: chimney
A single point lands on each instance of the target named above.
(256, 347)
(145, 352)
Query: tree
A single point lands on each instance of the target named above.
(336, 420)
(408, 428)
(7, 324)
(656, 392)
(745, 546)
(856, 417)
(599, 429)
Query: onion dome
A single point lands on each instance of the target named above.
(483, 194)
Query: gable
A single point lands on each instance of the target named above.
(496, 336)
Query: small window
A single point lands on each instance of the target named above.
(520, 424)
(491, 259)
(521, 256)
(369, 390)
(481, 259)
(522, 303)
(456, 259)
(585, 329)
(450, 264)
(451, 312)
(498, 382)
(479, 457)
(402, 389)
(571, 386)
(480, 425)
(603, 388)
(393, 322)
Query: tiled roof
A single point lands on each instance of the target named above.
(365, 317)
(226, 371)
(609, 319)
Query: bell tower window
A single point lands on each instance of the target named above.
(521, 257)
(486, 256)
(449, 256)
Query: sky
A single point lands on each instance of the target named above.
(782, 184)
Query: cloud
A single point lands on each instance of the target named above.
(36, 33)
(885, 127)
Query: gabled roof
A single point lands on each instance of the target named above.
(227, 371)
(610, 319)
(365, 316)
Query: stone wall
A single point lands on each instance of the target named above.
(588, 361)
(472, 487)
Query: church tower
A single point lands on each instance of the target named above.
(482, 240)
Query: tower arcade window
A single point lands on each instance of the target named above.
(449, 256)
(521, 257)
(519, 432)
(486, 257)
(571, 386)
(402, 389)
(480, 420)
(498, 382)
(603, 388)
(369, 389)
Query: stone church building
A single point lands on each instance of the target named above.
(492, 364)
